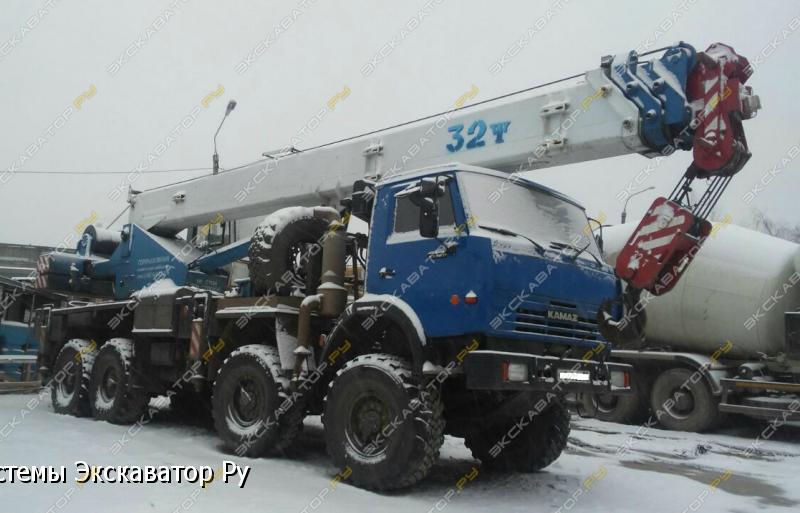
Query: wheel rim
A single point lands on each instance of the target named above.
(605, 403)
(368, 417)
(108, 386)
(297, 263)
(247, 402)
(66, 387)
(684, 403)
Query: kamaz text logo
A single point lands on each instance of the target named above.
(562, 316)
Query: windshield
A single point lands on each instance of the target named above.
(531, 213)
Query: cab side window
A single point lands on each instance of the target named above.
(406, 214)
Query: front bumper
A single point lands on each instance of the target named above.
(489, 370)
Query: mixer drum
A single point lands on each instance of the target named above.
(737, 275)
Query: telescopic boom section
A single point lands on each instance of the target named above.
(501, 134)
(626, 106)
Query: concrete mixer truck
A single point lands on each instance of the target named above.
(725, 340)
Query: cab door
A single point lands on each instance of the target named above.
(418, 270)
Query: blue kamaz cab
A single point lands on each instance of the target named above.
(505, 264)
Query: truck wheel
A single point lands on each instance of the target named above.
(70, 385)
(695, 409)
(247, 402)
(622, 409)
(109, 387)
(534, 447)
(380, 424)
(280, 246)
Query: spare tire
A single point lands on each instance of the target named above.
(282, 248)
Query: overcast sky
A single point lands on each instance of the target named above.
(73, 46)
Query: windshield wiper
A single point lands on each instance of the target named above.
(539, 248)
(577, 251)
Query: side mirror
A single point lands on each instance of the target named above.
(432, 187)
(429, 217)
(598, 238)
(598, 234)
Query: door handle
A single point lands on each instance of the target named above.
(386, 273)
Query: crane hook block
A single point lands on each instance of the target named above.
(661, 247)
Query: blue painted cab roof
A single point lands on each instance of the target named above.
(455, 166)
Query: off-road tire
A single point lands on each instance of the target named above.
(255, 371)
(273, 253)
(69, 388)
(110, 393)
(535, 446)
(702, 412)
(406, 452)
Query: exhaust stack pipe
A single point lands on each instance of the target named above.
(331, 299)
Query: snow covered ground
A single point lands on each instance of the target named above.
(661, 472)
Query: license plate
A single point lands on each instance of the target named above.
(574, 376)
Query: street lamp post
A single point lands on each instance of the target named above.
(231, 106)
(625, 207)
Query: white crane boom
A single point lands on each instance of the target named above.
(625, 106)
(571, 124)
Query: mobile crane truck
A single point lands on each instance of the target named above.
(485, 298)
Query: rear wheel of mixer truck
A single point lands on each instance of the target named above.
(682, 403)
(621, 409)
(382, 429)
